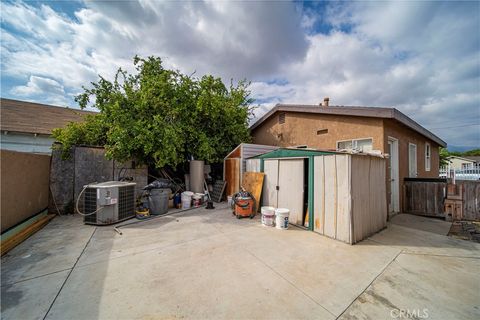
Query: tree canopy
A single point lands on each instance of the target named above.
(161, 117)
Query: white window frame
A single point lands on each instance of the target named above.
(416, 161)
(428, 156)
(354, 141)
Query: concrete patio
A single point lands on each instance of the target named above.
(206, 264)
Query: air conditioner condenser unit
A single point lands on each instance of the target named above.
(108, 202)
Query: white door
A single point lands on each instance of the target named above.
(290, 192)
(412, 160)
(270, 183)
(393, 175)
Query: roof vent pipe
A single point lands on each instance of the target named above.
(325, 101)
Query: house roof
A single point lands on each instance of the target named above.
(473, 158)
(28, 117)
(371, 112)
(468, 159)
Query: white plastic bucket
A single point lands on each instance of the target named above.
(187, 195)
(268, 216)
(229, 199)
(187, 199)
(197, 199)
(281, 218)
(186, 204)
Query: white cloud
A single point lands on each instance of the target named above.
(47, 89)
(39, 85)
(421, 57)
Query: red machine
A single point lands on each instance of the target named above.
(243, 204)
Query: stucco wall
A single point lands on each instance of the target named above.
(406, 136)
(301, 129)
(24, 186)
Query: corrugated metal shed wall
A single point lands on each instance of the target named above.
(252, 150)
(350, 196)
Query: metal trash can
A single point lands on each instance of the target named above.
(158, 201)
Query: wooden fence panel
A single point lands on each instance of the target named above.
(424, 196)
(471, 199)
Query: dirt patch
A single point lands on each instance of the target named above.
(465, 230)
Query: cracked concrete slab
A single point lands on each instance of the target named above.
(56, 247)
(207, 264)
(422, 286)
(31, 299)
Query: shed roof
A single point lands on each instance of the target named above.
(372, 112)
(29, 117)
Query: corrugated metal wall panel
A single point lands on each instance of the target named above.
(252, 150)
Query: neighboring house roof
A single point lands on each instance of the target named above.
(372, 112)
(467, 159)
(28, 117)
(474, 158)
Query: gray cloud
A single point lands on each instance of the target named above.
(421, 57)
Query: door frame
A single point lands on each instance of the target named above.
(394, 174)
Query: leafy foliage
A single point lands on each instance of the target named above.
(444, 154)
(162, 117)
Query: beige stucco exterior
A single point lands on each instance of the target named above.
(301, 129)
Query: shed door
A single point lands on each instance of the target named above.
(270, 168)
(290, 193)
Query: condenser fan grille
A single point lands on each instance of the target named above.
(90, 204)
(126, 199)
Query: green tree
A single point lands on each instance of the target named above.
(443, 157)
(162, 117)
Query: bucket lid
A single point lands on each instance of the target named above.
(282, 211)
(188, 193)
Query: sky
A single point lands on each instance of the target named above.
(420, 57)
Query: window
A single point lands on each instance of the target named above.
(427, 157)
(412, 160)
(363, 145)
(322, 131)
(281, 118)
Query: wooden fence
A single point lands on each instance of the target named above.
(424, 196)
(471, 199)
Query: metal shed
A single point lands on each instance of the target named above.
(234, 164)
(343, 194)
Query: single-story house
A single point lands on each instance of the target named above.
(27, 126)
(413, 150)
(461, 163)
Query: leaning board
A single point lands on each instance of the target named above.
(253, 183)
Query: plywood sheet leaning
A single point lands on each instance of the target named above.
(232, 175)
(253, 183)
